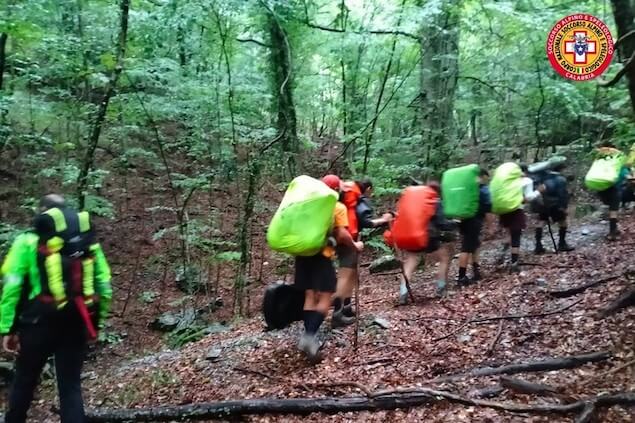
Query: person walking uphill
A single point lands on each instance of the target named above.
(420, 227)
(510, 190)
(470, 230)
(553, 207)
(606, 177)
(56, 295)
(308, 224)
(355, 196)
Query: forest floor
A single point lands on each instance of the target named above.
(421, 342)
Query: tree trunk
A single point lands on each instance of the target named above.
(89, 158)
(3, 45)
(281, 67)
(439, 73)
(624, 14)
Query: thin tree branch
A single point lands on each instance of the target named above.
(623, 38)
(627, 66)
(252, 40)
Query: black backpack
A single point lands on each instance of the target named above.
(282, 305)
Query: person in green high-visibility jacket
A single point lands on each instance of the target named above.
(42, 315)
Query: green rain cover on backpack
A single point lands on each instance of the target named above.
(506, 188)
(301, 224)
(605, 171)
(460, 191)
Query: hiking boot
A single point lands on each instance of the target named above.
(348, 311)
(613, 236)
(563, 246)
(441, 289)
(463, 281)
(309, 345)
(539, 249)
(340, 320)
(514, 268)
(476, 276)
(403, 299)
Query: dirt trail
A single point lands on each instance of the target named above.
(422, 341)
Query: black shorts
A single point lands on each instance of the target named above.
(514, 221)
(611, 198)
(315, 272)
(470, 230)
(347, 257)
(554, 213)
(433, 245)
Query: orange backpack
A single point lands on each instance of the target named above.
(417, 205)
(350, 198)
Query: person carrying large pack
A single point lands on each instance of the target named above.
(308, 224)
(605, 177)
(466, 198)
(552, 206)
(510, 189)
(56, 295)
(420, 227)
(356, 197)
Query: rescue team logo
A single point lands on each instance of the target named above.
(580, 47)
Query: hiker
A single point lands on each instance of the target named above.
(56, 294)
(606, 177)
(421, 227)
(356, 198)
(510, 189)
(552, 207)
(470, 230)
(316, 275)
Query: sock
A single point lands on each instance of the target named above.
(562, 234)
(403, 289)
(347, 302)
(462, 272)
(440, 284)
(312, 321)
(613, 225)
(337, 304)
(514, 258)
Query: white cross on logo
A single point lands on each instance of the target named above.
(570, 48)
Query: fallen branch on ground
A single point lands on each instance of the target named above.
(626, 299)
(531, 366)
(588, 413)
(382, 400)
(524, 387)
(523, 316)
(506, 317)
(492, 345)
(562, 293)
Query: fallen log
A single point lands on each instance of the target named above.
(626, 299)
(386, 400)
(557, 363)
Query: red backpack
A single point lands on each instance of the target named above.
(350, 198)
(417, 205)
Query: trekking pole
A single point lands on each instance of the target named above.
(551, 235)
(403, 273)
(357, 282)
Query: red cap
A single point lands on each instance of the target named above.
(332, 181)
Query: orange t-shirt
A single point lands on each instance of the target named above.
(340, 219)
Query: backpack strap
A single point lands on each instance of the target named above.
(84, 221)
(58, 219)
